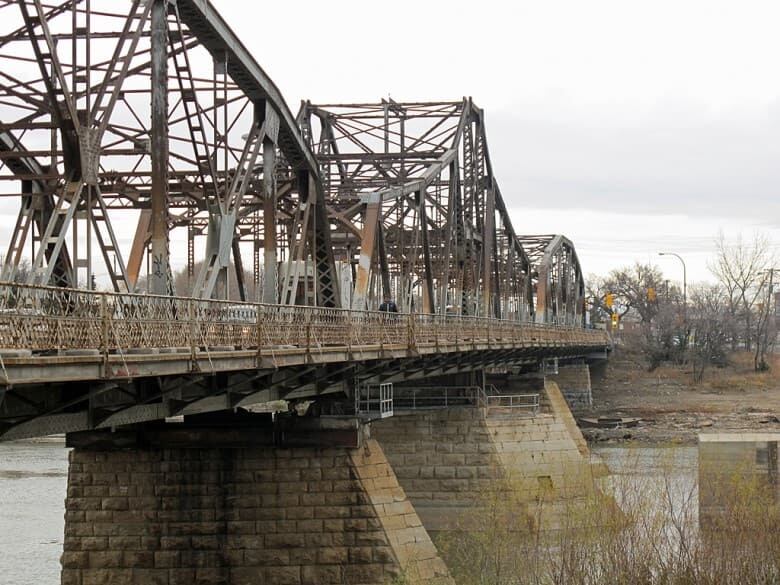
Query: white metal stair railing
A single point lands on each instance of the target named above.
(374, 401)
(549, 367)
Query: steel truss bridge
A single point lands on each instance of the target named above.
(146, 152)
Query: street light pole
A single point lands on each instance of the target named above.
(685, 275)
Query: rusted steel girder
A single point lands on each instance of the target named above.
(559, 285)
(415, 179)
(388, 198)
(160, 281)
(90, 148)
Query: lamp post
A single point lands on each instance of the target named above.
(685, 277)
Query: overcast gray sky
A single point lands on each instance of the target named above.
(663, 117)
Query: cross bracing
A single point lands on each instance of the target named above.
(140, 139)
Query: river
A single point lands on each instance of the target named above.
(33, 482)
(33, 478)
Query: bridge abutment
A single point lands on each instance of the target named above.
(162, 509)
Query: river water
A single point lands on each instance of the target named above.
(33, 478)
(33, 481)
(664, 479)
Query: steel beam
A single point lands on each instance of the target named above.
(271, 281)
(160, 281)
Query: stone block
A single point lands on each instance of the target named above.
(265, 557)
(303, 556)
(247, 575)
(167, 559)
(112, 577)
(368, 573)
(70, 577)
(284, 540)
(332, 512)
(283, 576)
(444, 472)
(104, 559)
(321, 575)
(137, 559)
(74, 560)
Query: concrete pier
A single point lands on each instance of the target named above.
(241, 515)
(449, 461)
(237, 499)
(574, 382)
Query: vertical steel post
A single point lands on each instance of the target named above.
(368, 241)
(159, 278)
(428, 300)
(488, 235)
(270, 284)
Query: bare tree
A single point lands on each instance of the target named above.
(641, 291)
(597, 288)
(766, 327)
(708, 312)
(22, 271)
(739, 268)
(635, 289)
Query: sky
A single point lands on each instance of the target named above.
(632, 127)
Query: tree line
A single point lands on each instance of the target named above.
(736, 311)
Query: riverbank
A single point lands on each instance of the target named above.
(672, 409)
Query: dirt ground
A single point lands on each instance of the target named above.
(673, 409)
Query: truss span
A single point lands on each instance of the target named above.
(145, 150)
(559, 287)
(151, 114)
(418, 213)
(417, 209)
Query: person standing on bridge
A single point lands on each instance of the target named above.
(388, 305)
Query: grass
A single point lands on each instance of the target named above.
(638, 529)
(738, 375)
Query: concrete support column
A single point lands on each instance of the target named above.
(166, 510)
(574, 382)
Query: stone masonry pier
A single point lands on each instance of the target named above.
(240, 515)
(574, 382)
(306, 501)
(449, 461)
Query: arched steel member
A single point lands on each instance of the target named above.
(417, 211)
(152, 113)
(559, 287)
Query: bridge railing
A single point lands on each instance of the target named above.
(498, 401)
(44, 319)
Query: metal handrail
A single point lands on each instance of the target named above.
(374, 400)
(434, 397)
(514, 401)
(44, 318)
(493, 398)
(438, 397)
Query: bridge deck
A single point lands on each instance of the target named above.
(75, 360)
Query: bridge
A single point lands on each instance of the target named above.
(147, 156)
